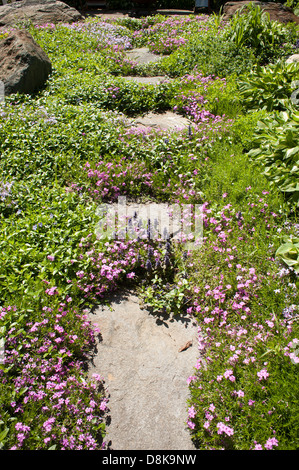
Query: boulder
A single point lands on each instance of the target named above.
(277, 11)
(24, 66)
(39, 12)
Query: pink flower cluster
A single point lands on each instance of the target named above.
(224, 429)
(46, 377)
(272, 441)
(263, 374)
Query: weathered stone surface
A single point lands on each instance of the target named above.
(39, 12)
(146, 375)
(24, 66)
(292, 58)
(277, 11)
(166, 121)
(147, 80)
(142, 55)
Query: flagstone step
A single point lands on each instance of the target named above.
(145, 362)
(143, 55)
(165, 121)
(148, 80)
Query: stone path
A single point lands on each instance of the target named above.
(167, 121)
(142, 55)
(147, 80)
(145, 375)
(142, 358)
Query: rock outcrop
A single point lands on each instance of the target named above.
(24, 66)
(38, 12)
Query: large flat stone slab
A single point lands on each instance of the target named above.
(146, 375)
(147, 80)
(165, 121)
(142, 55)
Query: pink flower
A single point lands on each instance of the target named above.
(262, 374)
(223, 428)
(131, 275)
(96, 328)
(228, 373)
(48, 424)
(257, 447)
(51, 257)
(270, 443)
(97, 377)
(191, 412)
(209, 416)
(52, 291)
(191, 378)
(190, 424)
(80, 274)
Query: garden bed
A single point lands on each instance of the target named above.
(68, 149)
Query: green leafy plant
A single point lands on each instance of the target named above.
(294, 4)
(251, 27)
(211, 55)
(166, 298)
(268, 87)
(70, 146)
(288, 252)
(277, 148)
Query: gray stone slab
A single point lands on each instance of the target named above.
(147, 80)
(142, 55)
(166, 121)
(145, 375)
(292, 58)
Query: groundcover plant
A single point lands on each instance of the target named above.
(70, 148)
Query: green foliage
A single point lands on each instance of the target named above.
(212, 56)
(38, 227)
(293, 4)
(245, 341)
(268, 87)
(252, 27)
(288, 252)
(276, 147)
(166, 299)
(70, 146)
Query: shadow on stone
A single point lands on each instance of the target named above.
(145, 366)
